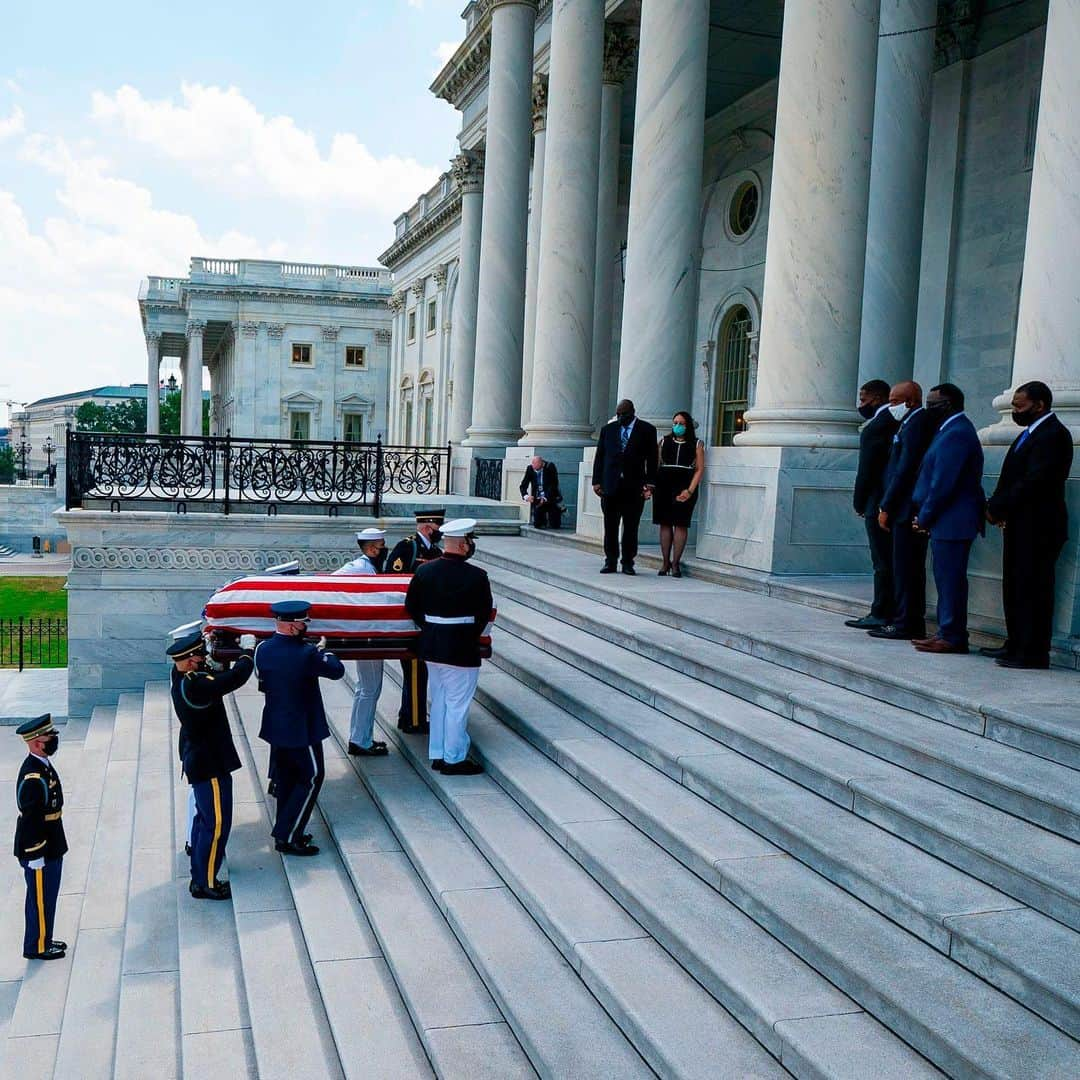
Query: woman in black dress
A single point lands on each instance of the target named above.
(682, 466)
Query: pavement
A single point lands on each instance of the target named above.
(23, 564)
(24, 694)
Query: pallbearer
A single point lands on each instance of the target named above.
(40, 844)
(209, 756)
(409, 554)
(450, 601)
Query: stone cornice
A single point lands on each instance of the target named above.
(445, 214)
(277, 295)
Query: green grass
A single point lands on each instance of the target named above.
(33, 598)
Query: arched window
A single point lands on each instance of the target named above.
(732, 375)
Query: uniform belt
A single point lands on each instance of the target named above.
(54, 817)
(450, 620)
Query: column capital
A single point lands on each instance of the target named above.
(330, 333)
(153, 338)
(539, 103)
(440, 274)
(382, 337)
(416, 286)
(275, 330)
(195, 328)
(619, 49)
(467, 170)
(249, 328)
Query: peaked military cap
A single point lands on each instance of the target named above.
(459, 527)
(290, 610)
(434, 516)
(189, 645)
(34, 729)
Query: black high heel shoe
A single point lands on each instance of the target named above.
(676, 571)
(663, 571)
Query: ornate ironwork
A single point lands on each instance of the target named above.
(227, 470)
(488, 483)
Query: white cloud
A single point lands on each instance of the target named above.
(13, 86)
(443, 51)
(13, 124)
(223, 139)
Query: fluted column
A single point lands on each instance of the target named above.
(153, 381)
(897, 190)
(468, 169)
(1048, 322)
(500, 313)
(618, 62)
(566, 287)
(191, 397)
(532, 260)
(664, 230)
(816, 250)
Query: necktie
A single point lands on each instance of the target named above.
(624, 436)
(1023, 438)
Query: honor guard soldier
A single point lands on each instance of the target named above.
(294, 721)
(40, 844)
(369, 673)
(408, 554)
(208, 754)
(450, 600)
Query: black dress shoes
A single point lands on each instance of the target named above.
(221, 891)
(894, 633)
(607, 569)
(289, 848)
(999, 652)
(628, 569)
(52, 952)
(1021, 664)
(438, 764)
(58, 944)
(376, 749)
(867, 622)
(462, 768)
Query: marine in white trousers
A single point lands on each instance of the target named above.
(452, 689)
(369, 680)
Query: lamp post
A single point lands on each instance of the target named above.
(49, 449)
(24, 450)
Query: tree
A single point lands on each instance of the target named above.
(7, 465)
(170, 414)
(125, 417)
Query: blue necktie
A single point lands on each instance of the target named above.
(624, 435)
(1023, 438)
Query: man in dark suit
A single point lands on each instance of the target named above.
(540, 488)
(1029, 505)
(875, 441)
(624, 475)
(909, 444)
(949, 505)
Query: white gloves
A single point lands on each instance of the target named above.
(247, 642)
(320, 644)
(36, 864)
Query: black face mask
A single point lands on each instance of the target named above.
(378, 558)
(867, 411)
(1024, 419)
(52, 744)
(470, 551)
(939, 410)
(626, 419)
(436, 536)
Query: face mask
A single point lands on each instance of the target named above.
(867, 411)
(436, 536)
(626, 419)
(470, 551)
(52, 744)
(678, 429)
(1024, 419)
(939, 408)
(378, 558)
(898, 412)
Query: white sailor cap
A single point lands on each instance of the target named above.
(459, 527)
(365, 536)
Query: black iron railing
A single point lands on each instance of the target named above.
(488, 482)
(182, 469)
(33, 642)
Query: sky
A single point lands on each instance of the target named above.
(134, 136)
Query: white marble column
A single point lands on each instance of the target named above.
(468, 170)
(808, 368)
(191, 396)
(897, 191)
(566, 286)
(664, 230)
(618, 63)
(500, 313)
(532, 259)
(153, 381)
(1048, 321)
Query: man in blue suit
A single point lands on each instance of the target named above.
(294, 720)
(949, 505)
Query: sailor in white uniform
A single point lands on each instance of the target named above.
(369, 673)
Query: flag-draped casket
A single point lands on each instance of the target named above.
(360, 615)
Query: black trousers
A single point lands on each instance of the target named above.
(298, 774)
(880, 544)
(622, 508)
(412, 715)
(909, 578)
(546, 515)
(1027, 580)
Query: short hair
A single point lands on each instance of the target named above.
(877, 387)
(951, 393)
(1036, 391)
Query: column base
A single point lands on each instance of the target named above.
(1066, 408)
(832, 428)
(477, 436)
(566, 458)
(563, 435)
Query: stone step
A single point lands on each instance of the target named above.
(1032, 865)
(972, 697)
(1031, 787)
(673, 1022)
(555, 1018)
(926, 896)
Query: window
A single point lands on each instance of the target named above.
(431, 317)
(299, 425)
(411, 334)
(408, 424)
(427, 435)
(301, 354)
(742, 213)
(733, 375)
(355, 356)
(352, 428)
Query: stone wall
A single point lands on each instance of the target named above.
(27, 512)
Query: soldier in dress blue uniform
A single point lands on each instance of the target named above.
(294, 720)
(40, 844)
(420, 547)
(208, 754)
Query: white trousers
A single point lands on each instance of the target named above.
(369, 676)
(452, 690)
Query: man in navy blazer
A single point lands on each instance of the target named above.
(949, 506)
(909, 445)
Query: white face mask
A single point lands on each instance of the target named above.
(898, 411)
